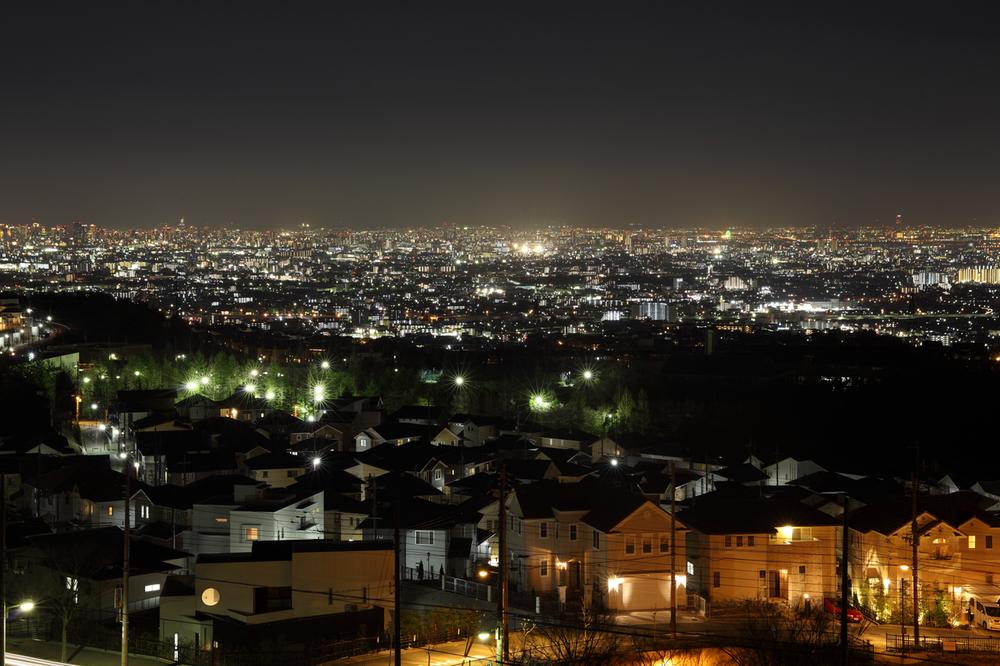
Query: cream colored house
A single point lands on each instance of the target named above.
(591, 545)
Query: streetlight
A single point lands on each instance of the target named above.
(318, 393)
(325, 365)
(269, 396)
(316, 462)
(250, 388)
(588, 375)
(459, 380)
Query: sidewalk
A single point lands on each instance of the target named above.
(441, 654)
(86, 657)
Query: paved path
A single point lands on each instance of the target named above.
(86, 657)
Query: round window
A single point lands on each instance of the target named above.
(210, 596)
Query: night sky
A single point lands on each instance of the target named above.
(384, 114)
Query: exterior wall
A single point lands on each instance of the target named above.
(640, 580)
(284, 524)
(801, 571)
(278, 478)
(342, 526)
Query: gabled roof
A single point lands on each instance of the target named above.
(392, 430)
(713, 514)
(277, 460)
(741, 473)
(432, 413)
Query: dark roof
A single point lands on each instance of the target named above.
(278, 460)
(892, 513)
(97, 553)
(742, 473)
(270, 551)
(159, 419)
(714, 514)
(392, 430)
(146, 400)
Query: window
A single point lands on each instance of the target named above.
(270, 599)
(664, 543)
(989, 579)
(438, 475)
(989, 541)
(739, 541)
(572, 532)
(543, 567)
(291, 474)
(690, 568)
(264, 474)
(597, 539)
(221, 519)
(423, 537)
(972, 542)
(144, 511)
(750, 541)
(111, 510)
(802, 569)
(520, 524)
(729, 541)
(74, 585)
(716, 579)
(647, 543)
(251, 533)
(543, 530)
(629, 545)
(155, 587)
(210, 597)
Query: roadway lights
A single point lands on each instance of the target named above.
(204, 381)
(614, 462)
(269, 395)
(459, 380)
(325, 365)
(318, 393)
(316, 462)
(588, 375)
(191, 386)
(26, 606)
(254, 372)
(250, 388)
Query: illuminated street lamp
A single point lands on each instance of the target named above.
(269, 395)
(459, 380)
(204, 380)
(250, 389)
(318, 393)
(588, 375)
(325, 365)
(191, 386)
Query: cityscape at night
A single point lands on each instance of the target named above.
(481, 334)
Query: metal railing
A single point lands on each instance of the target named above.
(897, 643)
(467, 588)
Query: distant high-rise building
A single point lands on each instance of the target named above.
(980, 274)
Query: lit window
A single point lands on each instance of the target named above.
(221, 519)
(251, 533)
(111, 510)
(972, 542)
(210, 597)
(155, 587)
(690, 568)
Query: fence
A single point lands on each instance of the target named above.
(897, 643)
(467, 588)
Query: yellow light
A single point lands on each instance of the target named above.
(786, 532)
(562, 565)
(904, 567)
(27, 606)
(459, 380)
(483, 573)
(614, 584)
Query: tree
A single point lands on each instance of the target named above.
(773, 635)
(583, 640)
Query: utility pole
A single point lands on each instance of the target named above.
(844, 586)
(397, 583)
(125, 566)
(503, 647)
(673, 542)
(914, 540)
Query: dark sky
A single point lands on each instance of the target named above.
(370, 114)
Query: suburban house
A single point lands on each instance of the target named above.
(278, 470)
(276, 515)
(300, 589)
(759, 548)
(592, 545)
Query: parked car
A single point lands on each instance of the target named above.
(833, 606)
(984, 614)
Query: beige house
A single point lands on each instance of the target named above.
(590, 545)
(772, 549)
